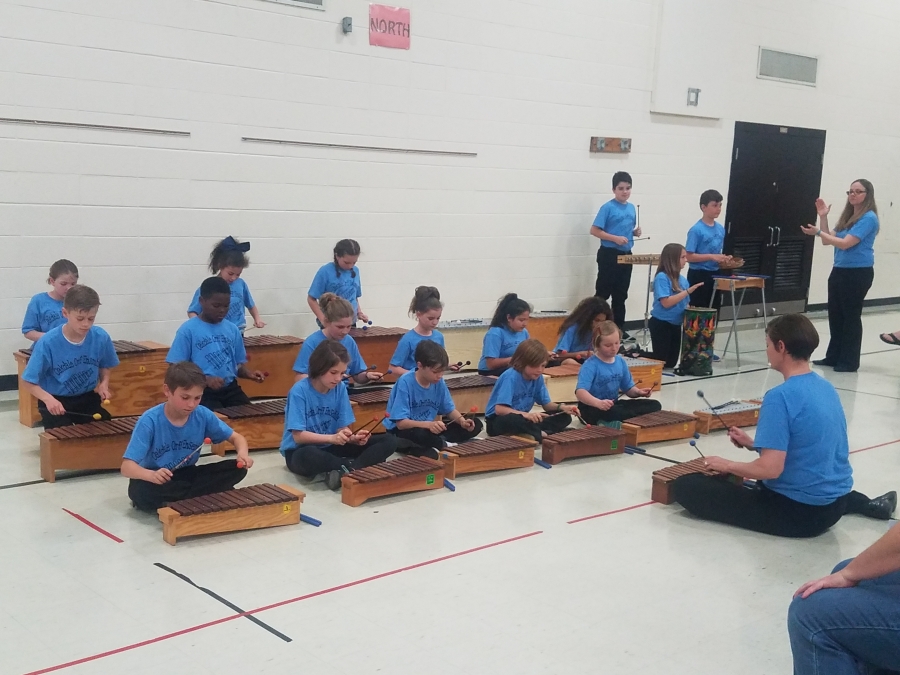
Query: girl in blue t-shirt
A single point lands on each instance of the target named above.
(518, 390)
(317, 417)
(851, 277)
(576, 332)
(45, 309)
(341, 277)
(671, 295)
(427, 307)
(228, 260)
(508, 329)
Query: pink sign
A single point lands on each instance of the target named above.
(389, 26)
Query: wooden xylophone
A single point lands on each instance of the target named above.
(248, 508)
(488, 454)
(262, 424)
(275, 355)
(645, 259)
(664, 425)
(471, 391)
(91, 446)
(736, 263)
(561, 380)
(410, 474)
(377, 345)
(734, 414)
(134, 383)
(646, 371)
(587, 442)
(662, 479)
(368, 405)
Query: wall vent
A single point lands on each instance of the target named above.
(311, 4)
(775, 65)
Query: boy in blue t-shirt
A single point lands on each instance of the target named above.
(616, 227)
(601, 379)
(161, 457)
(417, 399)
(803, 476)
(216, 346)
(68, 372)
(704, 245)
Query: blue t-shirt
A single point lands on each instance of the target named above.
(156, 443)
(240, 298)
(308, 410)
(662, 288)
(604, 380)
(218, 348)
(64, 369)
(803, 417)
(571, 342)
(514, 391)
(500, 343)
(409, 400)
(356, 365)
(342, 283)
(405, 354)
(619, 219)
(863, 254)
(703, 238)
(42, 314)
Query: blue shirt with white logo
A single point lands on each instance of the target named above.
(308, 410)
(619, 219)
(156, 443)
(405, 354)
(409, 400)
(514, 391)
(218, 348)
(63, 368)
(42, 314)
(343, 283)
(604, 380)
(500, 343)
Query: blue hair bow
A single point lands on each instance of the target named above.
(230, 244)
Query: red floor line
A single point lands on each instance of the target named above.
(872, 447)
(608, 513)
(95, 527)
(299, 598)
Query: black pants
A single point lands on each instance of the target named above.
(759, 508)
(704, 296)
(187, 482)
(511, 424)
(88, 404)
(847, 288)
(623, 409)
(666, 340)
(311, 460)
(427, 442)
(496, 372)
(613, 280)
(229, 395)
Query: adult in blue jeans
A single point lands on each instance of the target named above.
(848, 623)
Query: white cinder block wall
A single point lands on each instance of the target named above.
(522, 84)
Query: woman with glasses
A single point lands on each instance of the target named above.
(854, 259)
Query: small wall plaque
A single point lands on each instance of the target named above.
(607, 144)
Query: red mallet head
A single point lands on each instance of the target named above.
(265, 373)
(207, 441)
(240, 464)
(474, 408)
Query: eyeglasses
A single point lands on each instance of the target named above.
(856, 192)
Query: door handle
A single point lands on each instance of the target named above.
(771, 236)
(778, 243)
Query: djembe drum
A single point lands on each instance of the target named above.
(698, 335)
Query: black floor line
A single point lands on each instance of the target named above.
(225, 602)
(27, 482)
(868, 393)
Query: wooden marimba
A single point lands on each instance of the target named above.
(262, 424)
(561, 380)
(587, 442)
(135, 384)
(646, 371)
(248, 508)
(410, 474)
(367, 405)
(662, 479)
(488, 454)
(273, 354)
(377, 345)
(93, 446)
(664, 425)
(734, 414)
(471, 391)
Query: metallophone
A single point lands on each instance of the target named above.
(647, 371)
(93, 446)
(588, 442)
(488, 454)
(377, 344)
(662, 478)
(248, 508)
(134, 383)
(368, 405)
(733, 413)
(471, 392)
(410, 474)
(651, 260)
(262, 424)
(664, 425)
(275, 355)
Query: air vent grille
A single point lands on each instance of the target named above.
(775, 65)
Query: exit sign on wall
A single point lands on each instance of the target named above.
(389, 26)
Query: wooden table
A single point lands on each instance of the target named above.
(740, 283)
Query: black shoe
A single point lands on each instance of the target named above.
(333, 479)
(845, 369)
(823, 362)
(881, 508)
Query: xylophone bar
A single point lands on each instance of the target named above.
(93, 446)
(659, 426)
(411, 474)
(588, 442)
(490, 454)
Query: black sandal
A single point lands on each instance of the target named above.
(891, 339)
